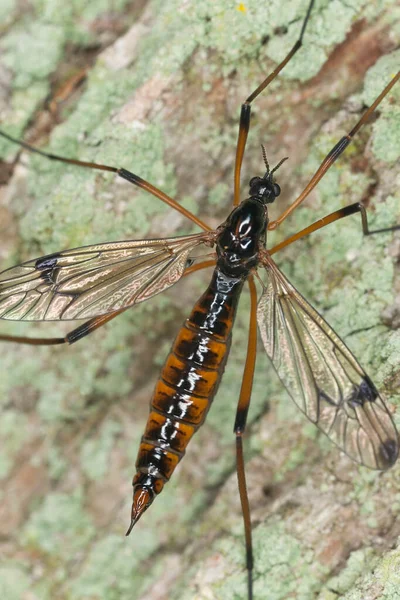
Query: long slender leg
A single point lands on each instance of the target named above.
(352, 209)
(240, 425)
(73, 336)
(131, 177)
(17, 339)
(333, 155)
(244, 123)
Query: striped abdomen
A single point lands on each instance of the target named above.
(186, 387)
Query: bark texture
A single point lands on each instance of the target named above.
(161, 97)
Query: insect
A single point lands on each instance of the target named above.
(174, 257)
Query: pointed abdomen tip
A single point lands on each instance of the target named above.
(142, 498)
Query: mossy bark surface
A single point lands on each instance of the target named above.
(161, 97)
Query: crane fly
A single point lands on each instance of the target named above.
(96, 283)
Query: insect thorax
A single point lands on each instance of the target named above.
(240, 237)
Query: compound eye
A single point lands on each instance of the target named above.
(276, 189)
(253, 181)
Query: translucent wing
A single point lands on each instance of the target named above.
(94, 280)
(322, 376)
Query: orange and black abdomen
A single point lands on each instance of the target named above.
(186, 387)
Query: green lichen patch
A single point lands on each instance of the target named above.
(382, 582)
(14, 581)
(386, 131)
(91, 399)
(12, 435)
(59, 527)
(111, 570)
(284, 567)
(358, 562)
(95, 453)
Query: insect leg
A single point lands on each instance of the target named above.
(333, 155)
(244, 123)
(73, 336)
(240, 425)
(335, 216)
(32, 341)
(127, 175)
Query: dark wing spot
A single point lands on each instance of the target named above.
(372, 391)
(365, 392)
(47, 262)
(388, 452)
(189, 263)
(47, 276)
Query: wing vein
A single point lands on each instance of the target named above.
(322, 376)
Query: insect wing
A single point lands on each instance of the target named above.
(322, 376)
(93, 280)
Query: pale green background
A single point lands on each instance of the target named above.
(72, 417)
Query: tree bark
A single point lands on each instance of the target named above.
(161, 97)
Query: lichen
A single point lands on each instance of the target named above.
(222, 52)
